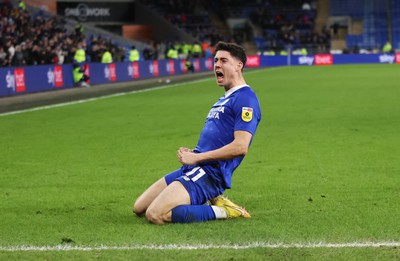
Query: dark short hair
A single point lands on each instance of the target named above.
(235, 50)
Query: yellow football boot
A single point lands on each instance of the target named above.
(232, 210)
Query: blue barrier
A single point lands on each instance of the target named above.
(31, 79)
(34, 79)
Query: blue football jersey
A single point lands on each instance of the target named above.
(238, 111)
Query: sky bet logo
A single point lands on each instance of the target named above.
(208, 63)
(133, 70)
(55, 78)
(308, 60)
(16, 81)
(153, 68)
(386, 58)
(110, 72)
(10, 81)
(170, 66)
(253, 61)
(323, 59)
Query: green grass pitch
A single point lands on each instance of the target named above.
(324, 167)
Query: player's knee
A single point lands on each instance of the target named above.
(154, 217)
(138, 209)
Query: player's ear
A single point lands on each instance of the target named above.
(239, 66)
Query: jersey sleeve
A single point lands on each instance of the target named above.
(247, 112)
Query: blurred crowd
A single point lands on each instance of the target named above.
(291, 25)
(34, 39)
(190, 16)
(39, 38)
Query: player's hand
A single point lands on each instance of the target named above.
(186, 156)
(181, 149)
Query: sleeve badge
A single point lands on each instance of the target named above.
(247, 114)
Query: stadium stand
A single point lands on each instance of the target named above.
(395, 25)
(379, 21)
(283, 25)
(196, 18)
(189, 16)
(32, 39)
(32, 36)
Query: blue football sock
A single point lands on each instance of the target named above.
(189, 213)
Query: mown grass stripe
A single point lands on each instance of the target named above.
(67, 247)
(119, 94)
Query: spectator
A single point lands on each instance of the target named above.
(306, 6)
(196, 50)
(118, 53)
(80, 78)
(18, 57)
(79, 28)
(80, 54)
(60, 55)
(10, 51)
(106, 57)
(172, 53)
(34, 55)
(149, 53)
(134, 54)
(189, 65)
(21, 5)
(208, 52)
(387, 47)
(356, 49)
(3, 57)
(95, 53)
(335, 29)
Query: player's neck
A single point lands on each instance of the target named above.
(232, 90)
(234, 84)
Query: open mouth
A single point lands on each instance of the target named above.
(219, 75)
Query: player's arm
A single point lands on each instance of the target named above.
(238, 147)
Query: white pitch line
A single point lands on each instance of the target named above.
(67, 247)
(119, 94)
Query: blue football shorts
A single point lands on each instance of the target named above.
(201, 182)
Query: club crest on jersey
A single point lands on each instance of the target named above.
(247, 114)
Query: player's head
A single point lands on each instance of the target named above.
(235, 50)
(229, 60)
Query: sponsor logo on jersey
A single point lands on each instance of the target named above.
(247, 114)
(217, 109)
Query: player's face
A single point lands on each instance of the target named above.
(226, 69)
